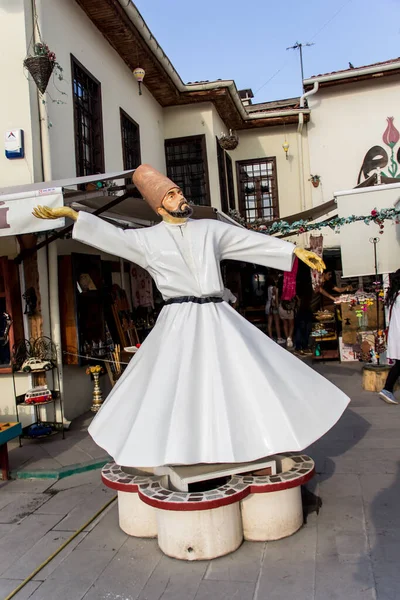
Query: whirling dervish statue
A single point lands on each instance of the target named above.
(206, 386)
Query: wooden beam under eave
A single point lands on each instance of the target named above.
(116, 27)
(273, 122)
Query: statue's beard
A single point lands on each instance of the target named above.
(180, 214)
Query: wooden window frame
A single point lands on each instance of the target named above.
(231, 185)
(223, 184)
(97, 128)
(123, 115)
(188, 139)
(274, 188)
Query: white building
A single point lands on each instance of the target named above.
(354, 128)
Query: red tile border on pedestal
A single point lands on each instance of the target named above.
(151, 491)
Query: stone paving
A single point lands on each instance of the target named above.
(346, 551)
(51, 455)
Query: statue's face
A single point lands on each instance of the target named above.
(175, 204)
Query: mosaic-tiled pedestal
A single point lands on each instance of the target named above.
(205, 525)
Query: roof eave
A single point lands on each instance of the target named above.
(126, 31)
(353, 76)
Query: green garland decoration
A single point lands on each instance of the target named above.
(304, 225)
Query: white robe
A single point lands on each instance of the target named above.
(206, 386)
(393, 345)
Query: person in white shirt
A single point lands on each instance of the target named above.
(393, 342)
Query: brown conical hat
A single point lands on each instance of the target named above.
(152, 184)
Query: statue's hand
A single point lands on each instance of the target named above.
(310, 259)
(44, 212)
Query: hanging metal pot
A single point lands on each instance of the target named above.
(228, 142)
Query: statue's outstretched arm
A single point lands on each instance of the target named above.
(44, 212)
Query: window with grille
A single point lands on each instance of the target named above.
(222, 177)
(186, 160)
(130, 141)
(258, 190)
(89, 147)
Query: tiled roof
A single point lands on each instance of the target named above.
(378, 64)
(274, 105)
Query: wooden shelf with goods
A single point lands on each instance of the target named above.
(325, 345)
(327, 355)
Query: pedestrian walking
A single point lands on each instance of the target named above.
(271, 310)
(393, 341)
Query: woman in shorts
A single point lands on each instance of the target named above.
(271, 310)
(286, 313)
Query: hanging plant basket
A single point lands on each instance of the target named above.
(315, 180)
(228, 142)
(41, 68)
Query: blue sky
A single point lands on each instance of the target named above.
(247, 41)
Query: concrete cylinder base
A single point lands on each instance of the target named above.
(135, 517)
(207, 524)
(272, 516)
(200, 534)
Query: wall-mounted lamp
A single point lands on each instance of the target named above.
(139, 74)
(285, 147)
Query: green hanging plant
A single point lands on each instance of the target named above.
(41, 65)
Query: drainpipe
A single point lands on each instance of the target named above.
(52, 263)
(300, 145)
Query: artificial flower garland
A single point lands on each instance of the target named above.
(335, 223)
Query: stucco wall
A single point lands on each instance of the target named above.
(346, 121)
(76, 34)
(17, 111)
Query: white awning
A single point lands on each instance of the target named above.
(65, 183)
(16, 216)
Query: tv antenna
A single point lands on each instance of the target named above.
(299, 46)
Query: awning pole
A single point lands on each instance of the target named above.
(122, 272)
(52, 258)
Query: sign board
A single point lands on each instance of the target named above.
(16, 216)
(14, 143)
(356, 248)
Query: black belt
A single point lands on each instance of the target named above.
(194, 299)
